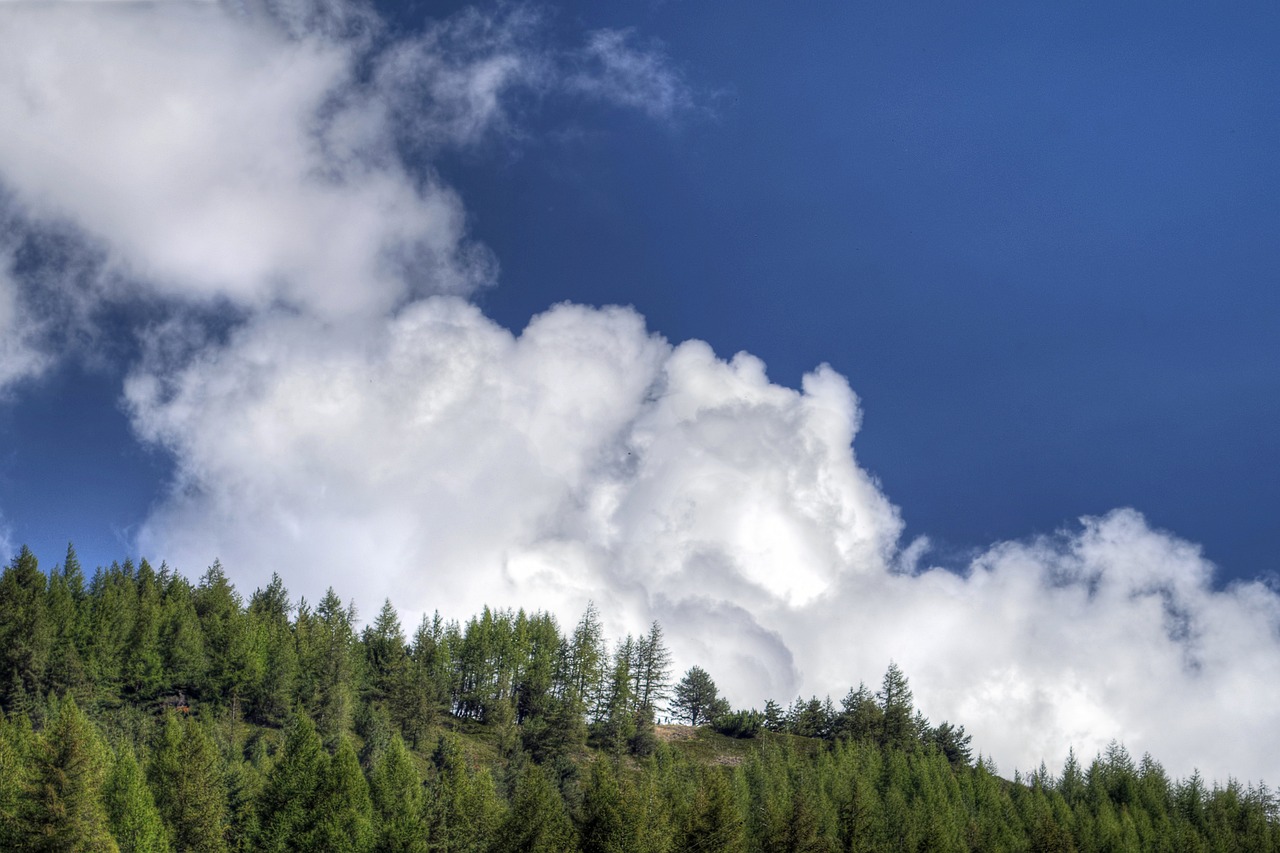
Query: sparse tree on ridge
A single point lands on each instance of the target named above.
(696, 698)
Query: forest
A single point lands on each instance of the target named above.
(145, 712)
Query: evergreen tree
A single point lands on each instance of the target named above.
(66, 671)
(275, 691)
(696, 698)
(611, 821)
(131, 809)
(714, 824)
(343, 816)
(652, 669)
(183, 643)
(64, 808)
(894, 696)
(26, 635)
(462, 808)
(188, 782)
(292, 790)
(397, 796)
(537, 821)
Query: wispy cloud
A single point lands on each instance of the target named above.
(614, 67)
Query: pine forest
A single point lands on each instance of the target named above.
(145, 712)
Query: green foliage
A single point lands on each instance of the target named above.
(131, 809)
(65, 808)
(193, 684)
(696, 697)
(397, 798)
(187, 779)
(26, 632)
(537, 821)
(739, 724)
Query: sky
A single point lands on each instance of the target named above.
(825, 335)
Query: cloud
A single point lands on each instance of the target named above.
(222, 162)
(21, 357)
(350, 419)
(584, 458)
(454, 464)
(614, 68)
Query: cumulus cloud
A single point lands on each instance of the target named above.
(352, 420)
(216, 160)
(21, 357)
(454, 464)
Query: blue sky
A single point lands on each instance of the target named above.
(265, 281)
(1039, 243)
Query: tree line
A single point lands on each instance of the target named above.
(143, 712)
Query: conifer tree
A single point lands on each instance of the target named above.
(714, 823)
(343, 815)
(26, 635)
(188, 782)
(64, 808)
(144, 664)
(695, 698)
(14, 763)
(292, 788)
(274, 644)
(462, 808)
(131, 809)
(537, 821)
(397, 797)
(611, 822)
(66, 671)
(897, 728)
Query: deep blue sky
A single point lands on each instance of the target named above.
(1041, 244)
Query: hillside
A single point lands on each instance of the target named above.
(142, 712)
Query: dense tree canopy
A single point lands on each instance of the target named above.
(144, 713)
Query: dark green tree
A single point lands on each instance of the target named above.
(26, 634)
(343, 815)
(187, 778)
(537, 821)
(895, 698)
(64, 806)
(695, 698)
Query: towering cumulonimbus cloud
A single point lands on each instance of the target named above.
(353, 421)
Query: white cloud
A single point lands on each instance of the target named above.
(219, 159)
(451, 464)
(614, 68)
(20, 355)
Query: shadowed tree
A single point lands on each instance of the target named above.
(65, 809)
(187, 778)
(26, 635)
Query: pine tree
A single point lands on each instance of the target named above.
(652, 669)
(714, 823)
(462, 808)
(397, 796)
(26, 635)
(64, 808)
(895, 699)
(696, 697)
(292, 789)
(188, 782)
(537, 821)
(343, 816)
(611, 821)
(67, 672)
(131, 809)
